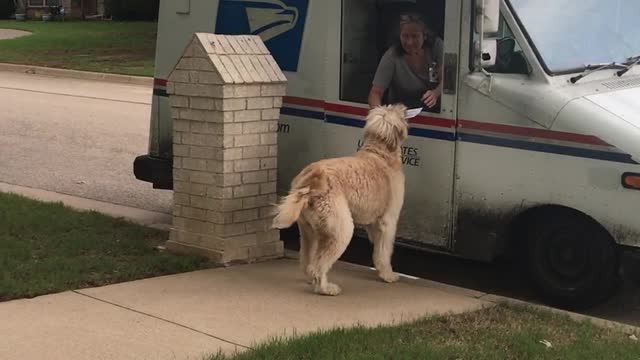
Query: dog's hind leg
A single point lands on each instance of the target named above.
(332, 242)
(308, 244)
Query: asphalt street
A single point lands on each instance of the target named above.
(76, 137)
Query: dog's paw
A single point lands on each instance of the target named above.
(389, 277)
(309, 278)
(330, 289)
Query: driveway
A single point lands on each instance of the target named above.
(12, 34)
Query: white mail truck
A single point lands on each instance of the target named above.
(532, 153)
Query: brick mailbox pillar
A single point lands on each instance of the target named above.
(225, 94)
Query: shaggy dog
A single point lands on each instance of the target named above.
(329, 196)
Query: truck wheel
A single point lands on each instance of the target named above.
(572, 260)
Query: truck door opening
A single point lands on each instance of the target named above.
(369, 27)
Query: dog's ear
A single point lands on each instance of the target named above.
(398, 119)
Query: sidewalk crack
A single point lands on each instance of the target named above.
(165, 320)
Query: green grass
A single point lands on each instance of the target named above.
(47, 248)
(501, 332)
(101, 46)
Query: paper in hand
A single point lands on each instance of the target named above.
(412, 112)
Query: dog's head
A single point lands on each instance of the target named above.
(388, 125)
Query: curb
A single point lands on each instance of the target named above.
(77, 74)
(603, 323)
(148, 218)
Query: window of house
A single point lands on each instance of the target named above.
(367, 30)
(42, 3)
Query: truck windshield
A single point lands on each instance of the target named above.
(570, 34)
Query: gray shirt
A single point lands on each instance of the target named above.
(405, 85)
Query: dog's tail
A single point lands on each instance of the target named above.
(290, 208)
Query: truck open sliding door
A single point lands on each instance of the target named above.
(429, 152)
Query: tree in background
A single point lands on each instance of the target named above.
(7, 8)
(20, 6)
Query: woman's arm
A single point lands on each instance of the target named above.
(375, 96)
(382, 79)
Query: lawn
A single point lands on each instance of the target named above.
(101, 46)
(501, 332)
(47, 248)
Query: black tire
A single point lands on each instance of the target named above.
(571, 259)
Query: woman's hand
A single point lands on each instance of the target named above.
(430, 98)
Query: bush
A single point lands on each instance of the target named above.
(145, 10)
(7, 9)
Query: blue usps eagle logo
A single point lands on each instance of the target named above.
(279, 23)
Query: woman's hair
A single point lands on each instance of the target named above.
(412, 18)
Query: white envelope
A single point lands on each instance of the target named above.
(412, 112)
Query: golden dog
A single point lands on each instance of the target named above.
(329, 196)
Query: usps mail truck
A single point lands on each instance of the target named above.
(533, 152)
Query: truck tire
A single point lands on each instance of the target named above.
(571, 259)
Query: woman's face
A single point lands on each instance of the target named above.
(412, 37)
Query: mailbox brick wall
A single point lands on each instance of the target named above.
(225, 95)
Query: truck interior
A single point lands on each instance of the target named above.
(366, 32)
(366, 27)
(509, 56)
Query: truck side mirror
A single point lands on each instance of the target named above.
(488, 53)
(487, 16)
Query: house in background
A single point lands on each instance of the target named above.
(78, 9)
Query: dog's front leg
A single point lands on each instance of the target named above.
(382, 234)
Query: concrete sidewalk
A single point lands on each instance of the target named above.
(190, 315)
